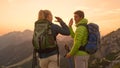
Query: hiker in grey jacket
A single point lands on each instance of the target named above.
(49, 60)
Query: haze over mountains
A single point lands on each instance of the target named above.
(17, 46)
(15, 38)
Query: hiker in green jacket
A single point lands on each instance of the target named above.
(80, 39)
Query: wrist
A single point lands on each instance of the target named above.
(61, 21)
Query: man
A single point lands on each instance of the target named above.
(80, 39)
(48, 56)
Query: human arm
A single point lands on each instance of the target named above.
(63, 29)
(71, 29)
(80, 33)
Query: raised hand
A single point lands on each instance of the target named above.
(71, 22)
(58, 19)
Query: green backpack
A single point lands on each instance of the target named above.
(43, 40)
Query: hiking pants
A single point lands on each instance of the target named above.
(81, 61)
(49, 62)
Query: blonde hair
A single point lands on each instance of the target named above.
(43, 14)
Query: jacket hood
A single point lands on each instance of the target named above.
(83, 21)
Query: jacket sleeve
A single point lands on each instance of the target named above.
(79, 34)
(71, 32)
(63, 29)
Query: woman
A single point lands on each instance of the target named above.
(50, 60)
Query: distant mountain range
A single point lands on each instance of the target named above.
(15, 38)
(17, 46)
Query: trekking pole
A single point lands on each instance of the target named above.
(35, 62)
(58, 64)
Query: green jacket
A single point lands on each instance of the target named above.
(80, 38)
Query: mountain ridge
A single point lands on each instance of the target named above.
(19, 49)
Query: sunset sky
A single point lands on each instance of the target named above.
(18, 15)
